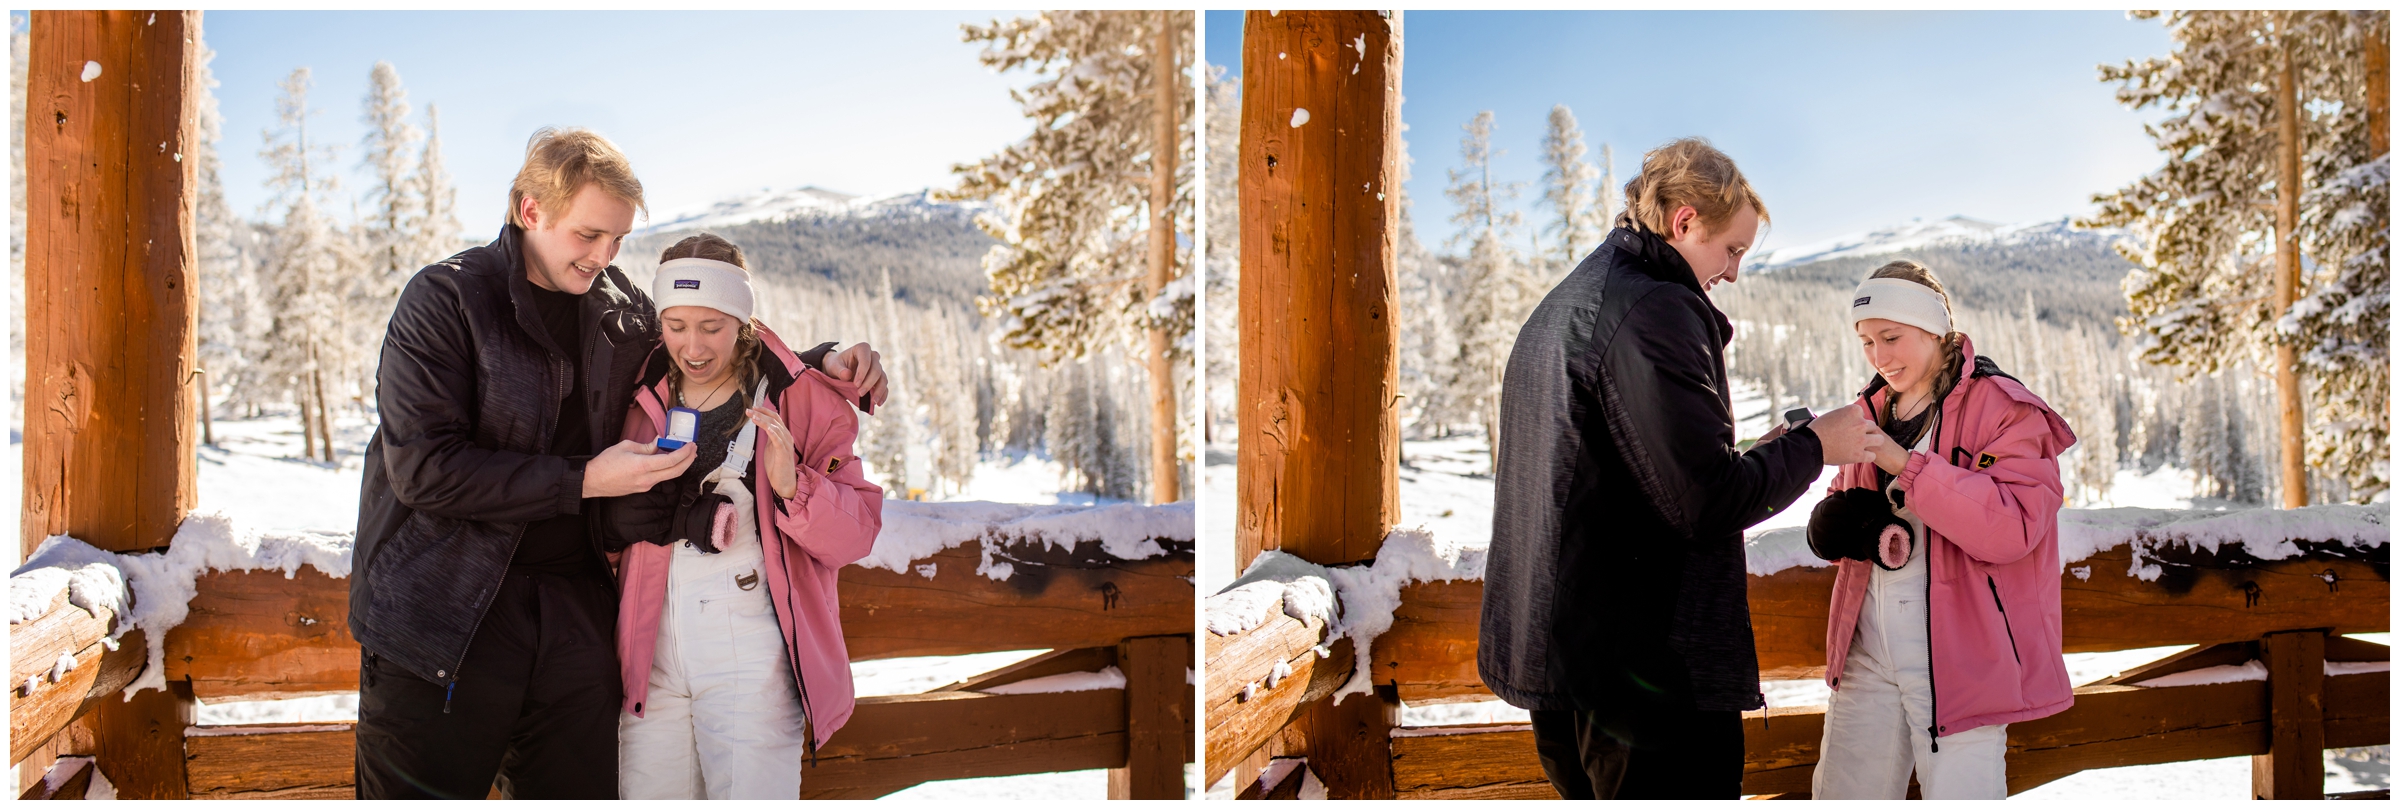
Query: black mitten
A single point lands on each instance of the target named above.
(641, 517)
(696, 522)
(1858, 524)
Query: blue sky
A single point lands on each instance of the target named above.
(707, 104)
(1846, 121)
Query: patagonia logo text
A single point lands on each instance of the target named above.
(687, 284)
(1858, 303)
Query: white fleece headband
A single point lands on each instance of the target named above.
(721, 286)
(1902, 301)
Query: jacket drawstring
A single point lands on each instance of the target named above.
(447, 693)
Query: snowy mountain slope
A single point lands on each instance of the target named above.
(1922, 233)
(769, 204)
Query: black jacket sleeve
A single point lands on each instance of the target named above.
(1663, 410)
(426, 389)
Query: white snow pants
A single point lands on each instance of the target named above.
(1876, 726)
(723, 718)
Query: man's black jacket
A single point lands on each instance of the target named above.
(1616, 580)
(469, 387)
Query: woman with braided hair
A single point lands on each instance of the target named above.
(1945, 624)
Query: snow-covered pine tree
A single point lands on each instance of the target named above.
(229, 328)
(1577, 220)
(1070, 203)
(18, 41)
(391, 226)
(2344, 317)
(2203, 227)
(1608, 195)
(1429, 347)
(438, 231)
(309, 261)
(1224, 278)
(1496, 292)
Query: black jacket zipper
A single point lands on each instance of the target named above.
(1933, 695)
(2012, 632)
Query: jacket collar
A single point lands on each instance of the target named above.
(1650, 255)
(593, 304)
(1655, 258)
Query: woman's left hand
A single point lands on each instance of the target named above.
(776, 455)
(1889, 455)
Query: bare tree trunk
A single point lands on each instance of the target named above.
(324, 415)
(208, 426)
(2379, 89)
(308, 424)
(1164, 484)
(2287, 279)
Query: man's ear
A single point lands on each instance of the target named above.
(1685, 220)
(529, 211)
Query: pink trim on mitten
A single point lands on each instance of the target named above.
(1893, 546)
(722, 532)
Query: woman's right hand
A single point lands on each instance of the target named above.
(1889, 455)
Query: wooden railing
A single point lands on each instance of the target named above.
(2287, 613)
(257, 635)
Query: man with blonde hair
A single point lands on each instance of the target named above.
(1615, 606)
(484, 611)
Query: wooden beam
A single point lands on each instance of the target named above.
(109, 277)
(1052, 599)
(2294, 765)
(139, 741)
(2108, 727)
(1054, 662)
(254, 634)
(1320, 440)
(1429, 652)
(70, 778)
(1239, 724)
(272, 761)
(93, 683)
(1158, 707)
(898, 741)
(1482, 761)
(1350, 743)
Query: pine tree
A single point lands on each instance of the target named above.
(229, 328)
(1224, 278)
(1578, 221)
(391, 227)
(2204, 226)
(1429, 346)
(1496, 291)
(1071, 203)
(437, 222)
(308, 266)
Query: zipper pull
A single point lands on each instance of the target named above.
(446, 694)
(1937, 741)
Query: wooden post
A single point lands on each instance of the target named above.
(2287, 271)
(1320, 434)
(1165, 486)
(109, 281)
(1320, 438)
(1157, 705)
(2294, 765)
(108, 277)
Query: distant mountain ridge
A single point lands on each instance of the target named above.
(1920, 233)
(769, 204)
(932, 248)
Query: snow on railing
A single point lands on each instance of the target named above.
(1365, 596)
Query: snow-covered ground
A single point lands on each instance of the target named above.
(256, 477)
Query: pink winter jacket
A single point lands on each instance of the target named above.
(830, 522)
(1988, 492)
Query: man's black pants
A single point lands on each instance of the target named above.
(535, 705)
(1694, 755)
